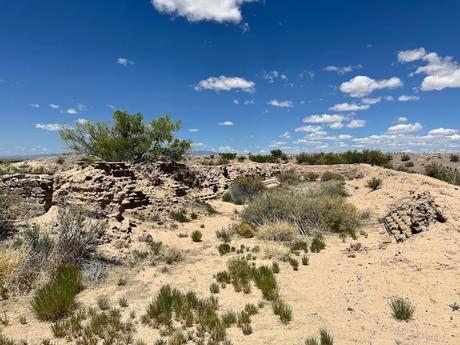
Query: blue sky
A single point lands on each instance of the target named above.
(242, 75)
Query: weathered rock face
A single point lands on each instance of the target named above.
(413, 217)
(34, 193)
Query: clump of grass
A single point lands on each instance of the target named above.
(223, 277)
(180, 216)
(284, 311)
(443, 173)
(299, 245)
(23, 320)
(197, 235)
(103, 303)
(123, 302)
(374, 183)
(275, 267)
(317, 243)
(454, 158)
(57, 298)
(325, 338)
(225, 234)
(194, 216)
(247, 329)
(244, 189)
(229, 318)
(224, 248)
(265, 280)
(294, 263)
(251, 309)
(305, 260)
(214, 288)
(402, 309)
(329, 176)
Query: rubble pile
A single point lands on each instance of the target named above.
(413, 216)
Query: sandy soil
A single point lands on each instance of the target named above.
(347, 295)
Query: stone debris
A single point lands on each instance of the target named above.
(413, 217)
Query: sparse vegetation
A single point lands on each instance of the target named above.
(317, 243)
(405, 158)
(374, 183)
(283, 310)
(180, 216)
(245, 230)
(244, 189)
(402, 309)
(277, 231)
(331, 176)
(373, 157)
(275, 156)
(225, 234)
(443, 173)
(325, 338)
(57, 298)
(197, 236)
(103, 303)
(305, 260)
(228, 155)
(224, 248)
(454, 158)
(128, 139)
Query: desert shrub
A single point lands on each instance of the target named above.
(275, 251)
(374, 183)
(299, 245)
(274, 156)
(223, 277)
(443, 173)
(281, 309)
(6, 214)
(180, 216)
(290, 177)
(402, 309)
(329, 175)
(405, 158)
(103, 303)
(317, 243)
(409, 164)
(197, 235)
(227, 155)
(311, 176)
(207, 207)
(325, 338)
(225, 234)
(57, 298)
(279, 231)
(305, 260)
(265, 280)
(229, 318)
(6, 341)
(194, 216)
(128, 139)
(373, 157)
(308, 210)
(275, 268)
(214, 288)
(294, 263)
(123, 302)
(453, 158)
(223, 248)
(244, 189)
(245, 230)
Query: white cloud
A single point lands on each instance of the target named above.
(443, 131)
(308, 129)
(411, 55)
(441, 72)
(248, 102)
(54, 106)
(389, 98)
(226, 123)
(203, 10)
(285, 135)
(124, 61)
(341, 70)
(224, 83)
(405, 98)
(52, 127)
(371, 101)
(402, 119)
(356, 123)
(455, 137)
(324, 118)
(193, 130)
(336, 125)
(349, 107)
(34, 105)
(71, 111)
(271, 76)
(361, 85)
(280, 104)
(235, 101)
(405, 128)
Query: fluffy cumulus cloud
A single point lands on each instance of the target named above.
(342, 69)
(309, 129)
(124, 61)
(280, 104)
(224, 83)
(361, 85)
(203, 10)
(51, 127)
(349, 107)
(404, 128)
(356, 123)
(441, 72)
(371, 101)
(443, 131)
(324, 118)
(405, 98)
(226, 123)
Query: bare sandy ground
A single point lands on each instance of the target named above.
(347, 295)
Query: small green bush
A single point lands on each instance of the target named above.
(325, 338)
(329, 176)
(214, 288)
(103, 303)
(305, 260)
(197, 235)
(409, 164)
(374, 183)
(224, 248)
(57, 298)
(279, 231)
(311, 176)
(244, 189)
(443, 173)
(402, 309)
(373, 157)
(180, 217)
(317, 243)
(245, 230)
(275, 267)
(227, 155)
(454, 158)
(294, 263)
(282, 310)
(405, 158)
